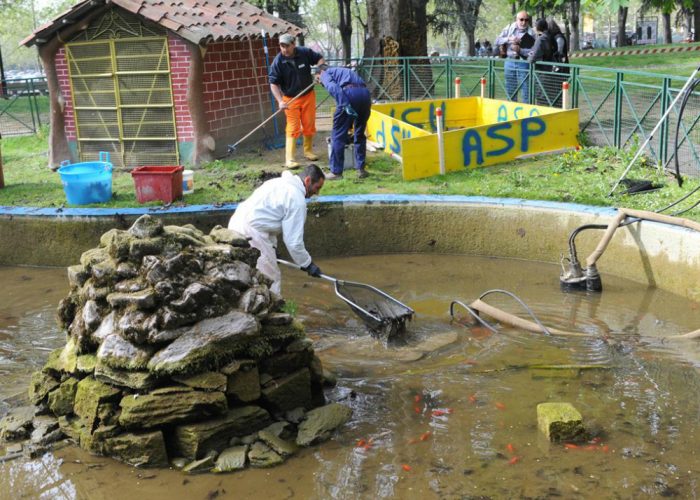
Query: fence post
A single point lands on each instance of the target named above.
(440, 137)
(448, 72)
(663, 134)
(617, 118)
(531, 84)
(33, 105)
(483, 87)
(406, 78)
(574, 86)
(564, 95)
(491, 78)
(2, 176)
(458, 90)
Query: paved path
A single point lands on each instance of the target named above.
(646, 50)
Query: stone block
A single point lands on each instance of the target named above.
(170, 405)
(61, 400)
(289, 392)
(89, 395)
(560, 422)
(195, 440)
(140, 450)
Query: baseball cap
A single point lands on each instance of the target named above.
(287, 39)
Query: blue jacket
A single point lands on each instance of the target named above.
(293, 74)
(335, 78)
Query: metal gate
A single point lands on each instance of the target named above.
(123, 103)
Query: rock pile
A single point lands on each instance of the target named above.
(178, 353)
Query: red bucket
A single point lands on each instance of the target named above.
(158, 183)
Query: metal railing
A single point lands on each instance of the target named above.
(616, 108)
(24, 106)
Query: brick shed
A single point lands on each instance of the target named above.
(155, 82)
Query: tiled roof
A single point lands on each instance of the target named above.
(199, 21)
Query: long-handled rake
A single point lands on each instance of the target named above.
(232, 147)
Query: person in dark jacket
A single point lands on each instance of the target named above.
(561, 55)
(353, 107)
(542, 51)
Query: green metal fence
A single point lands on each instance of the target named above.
(616, 108)
(24, 106)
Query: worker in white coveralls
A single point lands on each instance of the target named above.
(279, 206)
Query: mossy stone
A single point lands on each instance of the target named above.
(40, 385)
(560, 422)
(140, 450)
(231, 459)
(86, 363)
(244, 385)
(62, 399)
(289, 392)
(89, 395)
(261, 455)
(320, 422)
(63, 360)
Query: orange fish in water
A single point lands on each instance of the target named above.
(439, 413)
(570, 446)
(500, 405)
(510, 448)
(360, 443)
(513, 460)
(416, 409)
(425, 435)
(472, 398)
(591, 447)
(367, 446)
(417, 398)
(605, 448)
(480, 332)
(406, 467)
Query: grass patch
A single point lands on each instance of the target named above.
(584, 176)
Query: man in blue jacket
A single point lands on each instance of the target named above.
(353, 107)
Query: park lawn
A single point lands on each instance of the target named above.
(584, 176)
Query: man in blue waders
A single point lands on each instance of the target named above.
(353, 106)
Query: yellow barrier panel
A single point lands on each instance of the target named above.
(490, 131)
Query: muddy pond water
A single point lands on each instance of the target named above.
(450, 414)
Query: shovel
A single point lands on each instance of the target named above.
(232, 147)
(382, 313)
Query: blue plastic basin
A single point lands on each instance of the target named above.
(89, 182)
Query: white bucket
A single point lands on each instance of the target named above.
(349, 160)
(187, 182)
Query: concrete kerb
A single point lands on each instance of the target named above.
(656, 254)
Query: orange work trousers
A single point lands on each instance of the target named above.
(301, 115)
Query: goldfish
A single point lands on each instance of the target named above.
(605, 448)
(406, 467)
(425, 435)
(416, 409)
(360, 443)
(514, 460)
(439, 413)
(500, 405)
(570, 446)
(472, 398)
(510, 448)
(591, 447)
(417, 398)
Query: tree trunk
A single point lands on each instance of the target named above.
(575, 9)
(666, 18)
(345, 28)
(622, 26)
(398, 28)
(696, 20)
(58, 143)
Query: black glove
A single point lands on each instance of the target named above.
(313, 270)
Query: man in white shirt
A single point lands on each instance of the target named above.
(279, 206)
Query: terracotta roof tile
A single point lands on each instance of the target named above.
(199, 21)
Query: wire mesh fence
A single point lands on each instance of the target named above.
(24, 106)
(616, 108)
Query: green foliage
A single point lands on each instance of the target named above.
(290, 307)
